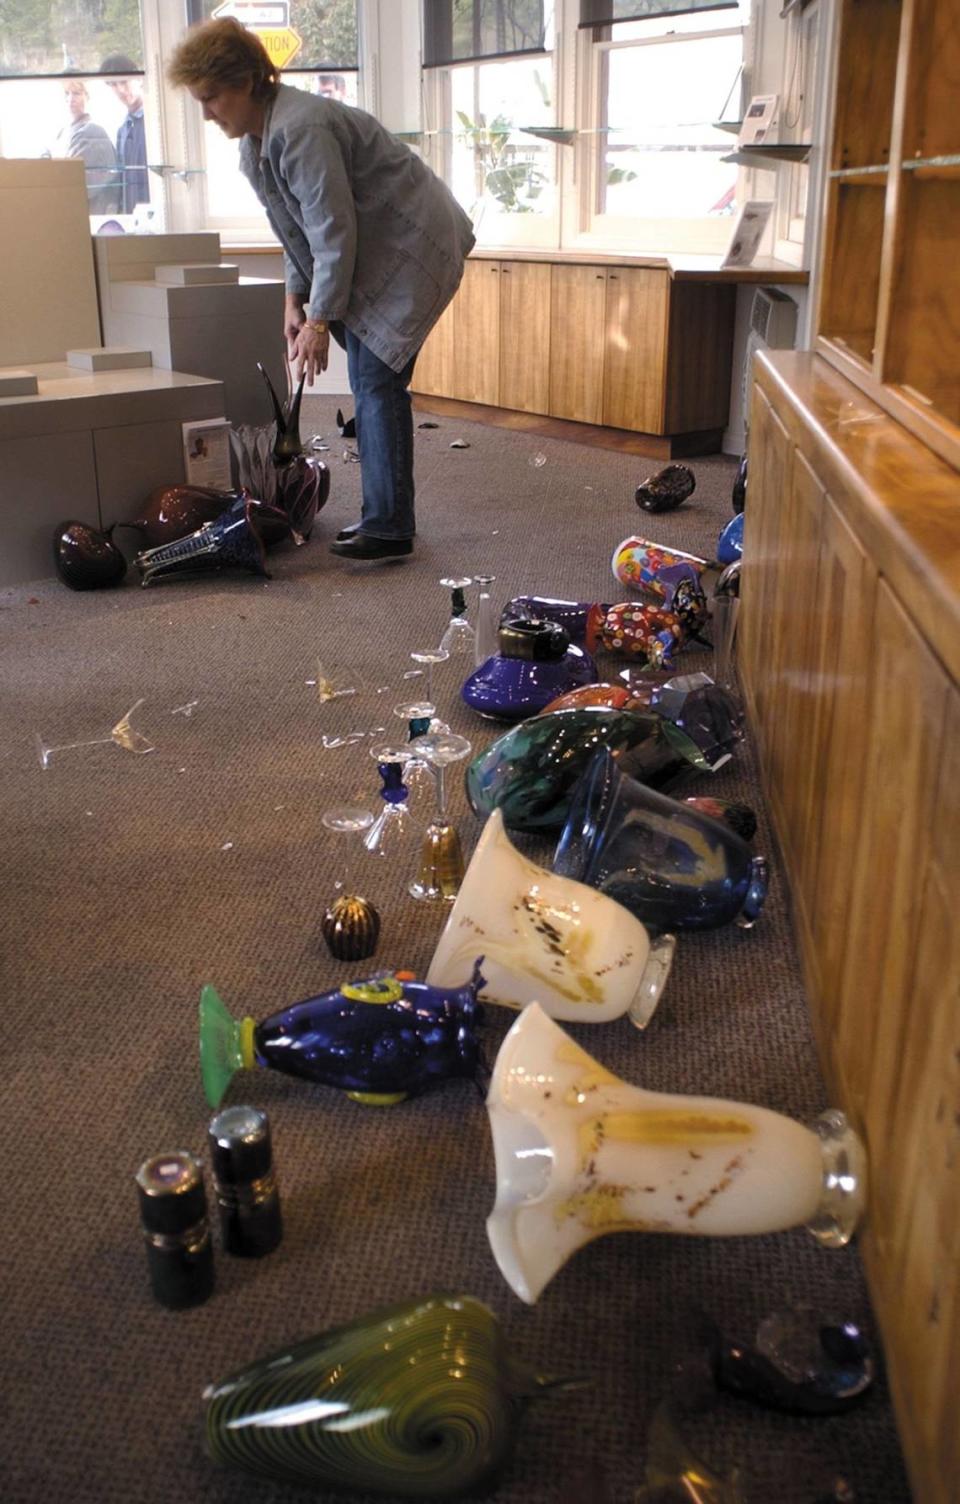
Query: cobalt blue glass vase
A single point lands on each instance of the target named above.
(536, 662)
(730, 542)
(670, 864)
(581, 620)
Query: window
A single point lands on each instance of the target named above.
(73, 86)
(653, 175)
(490, 109)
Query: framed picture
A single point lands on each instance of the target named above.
(758, 120)
(748, 232)
(206, 453)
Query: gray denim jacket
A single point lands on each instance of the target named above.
(371, 236)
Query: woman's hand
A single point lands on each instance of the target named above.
(292, 320)
(309, 351)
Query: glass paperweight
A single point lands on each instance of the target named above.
(350, 925)
(418, 1401)
(580, 1153)
(459, 638)
(548, 939)
(667, 862)
(391, 835)
(121, 735)
(441, 859)
(531, 772)
(379, 1039)
(486, 633)
(802, 1361)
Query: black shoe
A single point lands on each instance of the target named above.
(348, 532)
(364, 546)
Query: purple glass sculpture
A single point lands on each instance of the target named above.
(171, 512)
(581, 620)
(669, 864)
(379, 1040)
(86, 559)
(666, 490)
(536, 662)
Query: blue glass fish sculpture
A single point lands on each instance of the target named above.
(380, 1039)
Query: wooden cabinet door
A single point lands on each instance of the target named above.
(525, 335)
(476, 333)
(770, 455)
(577, 321)
(635, 348)
(433, 372)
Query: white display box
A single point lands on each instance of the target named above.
(197, 273)
(109, 358)
(18, 384)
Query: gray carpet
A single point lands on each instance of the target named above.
(131, 880)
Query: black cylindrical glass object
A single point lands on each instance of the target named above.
(173, 1213)
(245, 1185)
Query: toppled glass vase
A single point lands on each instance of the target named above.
(666, 490)
(580, 1153)
(655, 568)
(230, 542)
(171, 512)
(272, 465)
(85, 558)
(535, 662)
(419, 1400)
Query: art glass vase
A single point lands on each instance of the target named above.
(536, 661)
(544, 938)
(667, 862)
(580, 1153)
(581, 620)
(650, 567)
(530, 772)
(730, 542)
(419, 1400)
(666, 490)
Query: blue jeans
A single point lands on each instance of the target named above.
(384, 438)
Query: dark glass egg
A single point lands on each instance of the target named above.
(86, 559)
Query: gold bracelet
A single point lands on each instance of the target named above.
(319, 325)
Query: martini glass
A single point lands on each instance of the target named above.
(441, 858)
(350, 925)
(487, 641)
(459, 638)
(121, 735)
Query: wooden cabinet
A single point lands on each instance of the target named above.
(851, 681)
(889, 314)
(625, 347)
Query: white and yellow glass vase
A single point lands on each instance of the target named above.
(580, 1153)
(548, 939)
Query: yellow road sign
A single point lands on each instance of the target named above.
(282, 43)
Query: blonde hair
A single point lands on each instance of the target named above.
(75, 86)
(223, 54)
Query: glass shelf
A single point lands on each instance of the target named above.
(788, 151)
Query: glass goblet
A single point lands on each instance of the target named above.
(391, 833)
(441, 857)
(459, 636)
(350, 925)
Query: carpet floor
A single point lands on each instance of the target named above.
(131, 880)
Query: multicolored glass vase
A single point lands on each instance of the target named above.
(419, 1400)
(531, 772)
(536, 661)
(380, 1040)
(669, 863)
(651, 567)
(544, 938)
(580, 1153)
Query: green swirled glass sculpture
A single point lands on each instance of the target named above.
(419, 1400)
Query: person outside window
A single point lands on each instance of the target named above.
(374, 248)
(131, 137)
(83, 138)
(332, 86)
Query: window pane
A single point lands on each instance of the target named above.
(480, 28)
(68, 36)
(660, 157)
(327, 29)
(496, 168)
(659, 26)
(86, 118)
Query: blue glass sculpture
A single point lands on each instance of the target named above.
(668, 863)
(531, 772)
(730, 542)
(536, 662)
(581, 620)
(379, 1040)
(231, 542)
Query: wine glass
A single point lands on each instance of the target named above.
(459, 636)
(391, 833)
(418, 714)
(441, 858)
(350, 924)
(121, 735)
(487, 641)
(428, 657)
